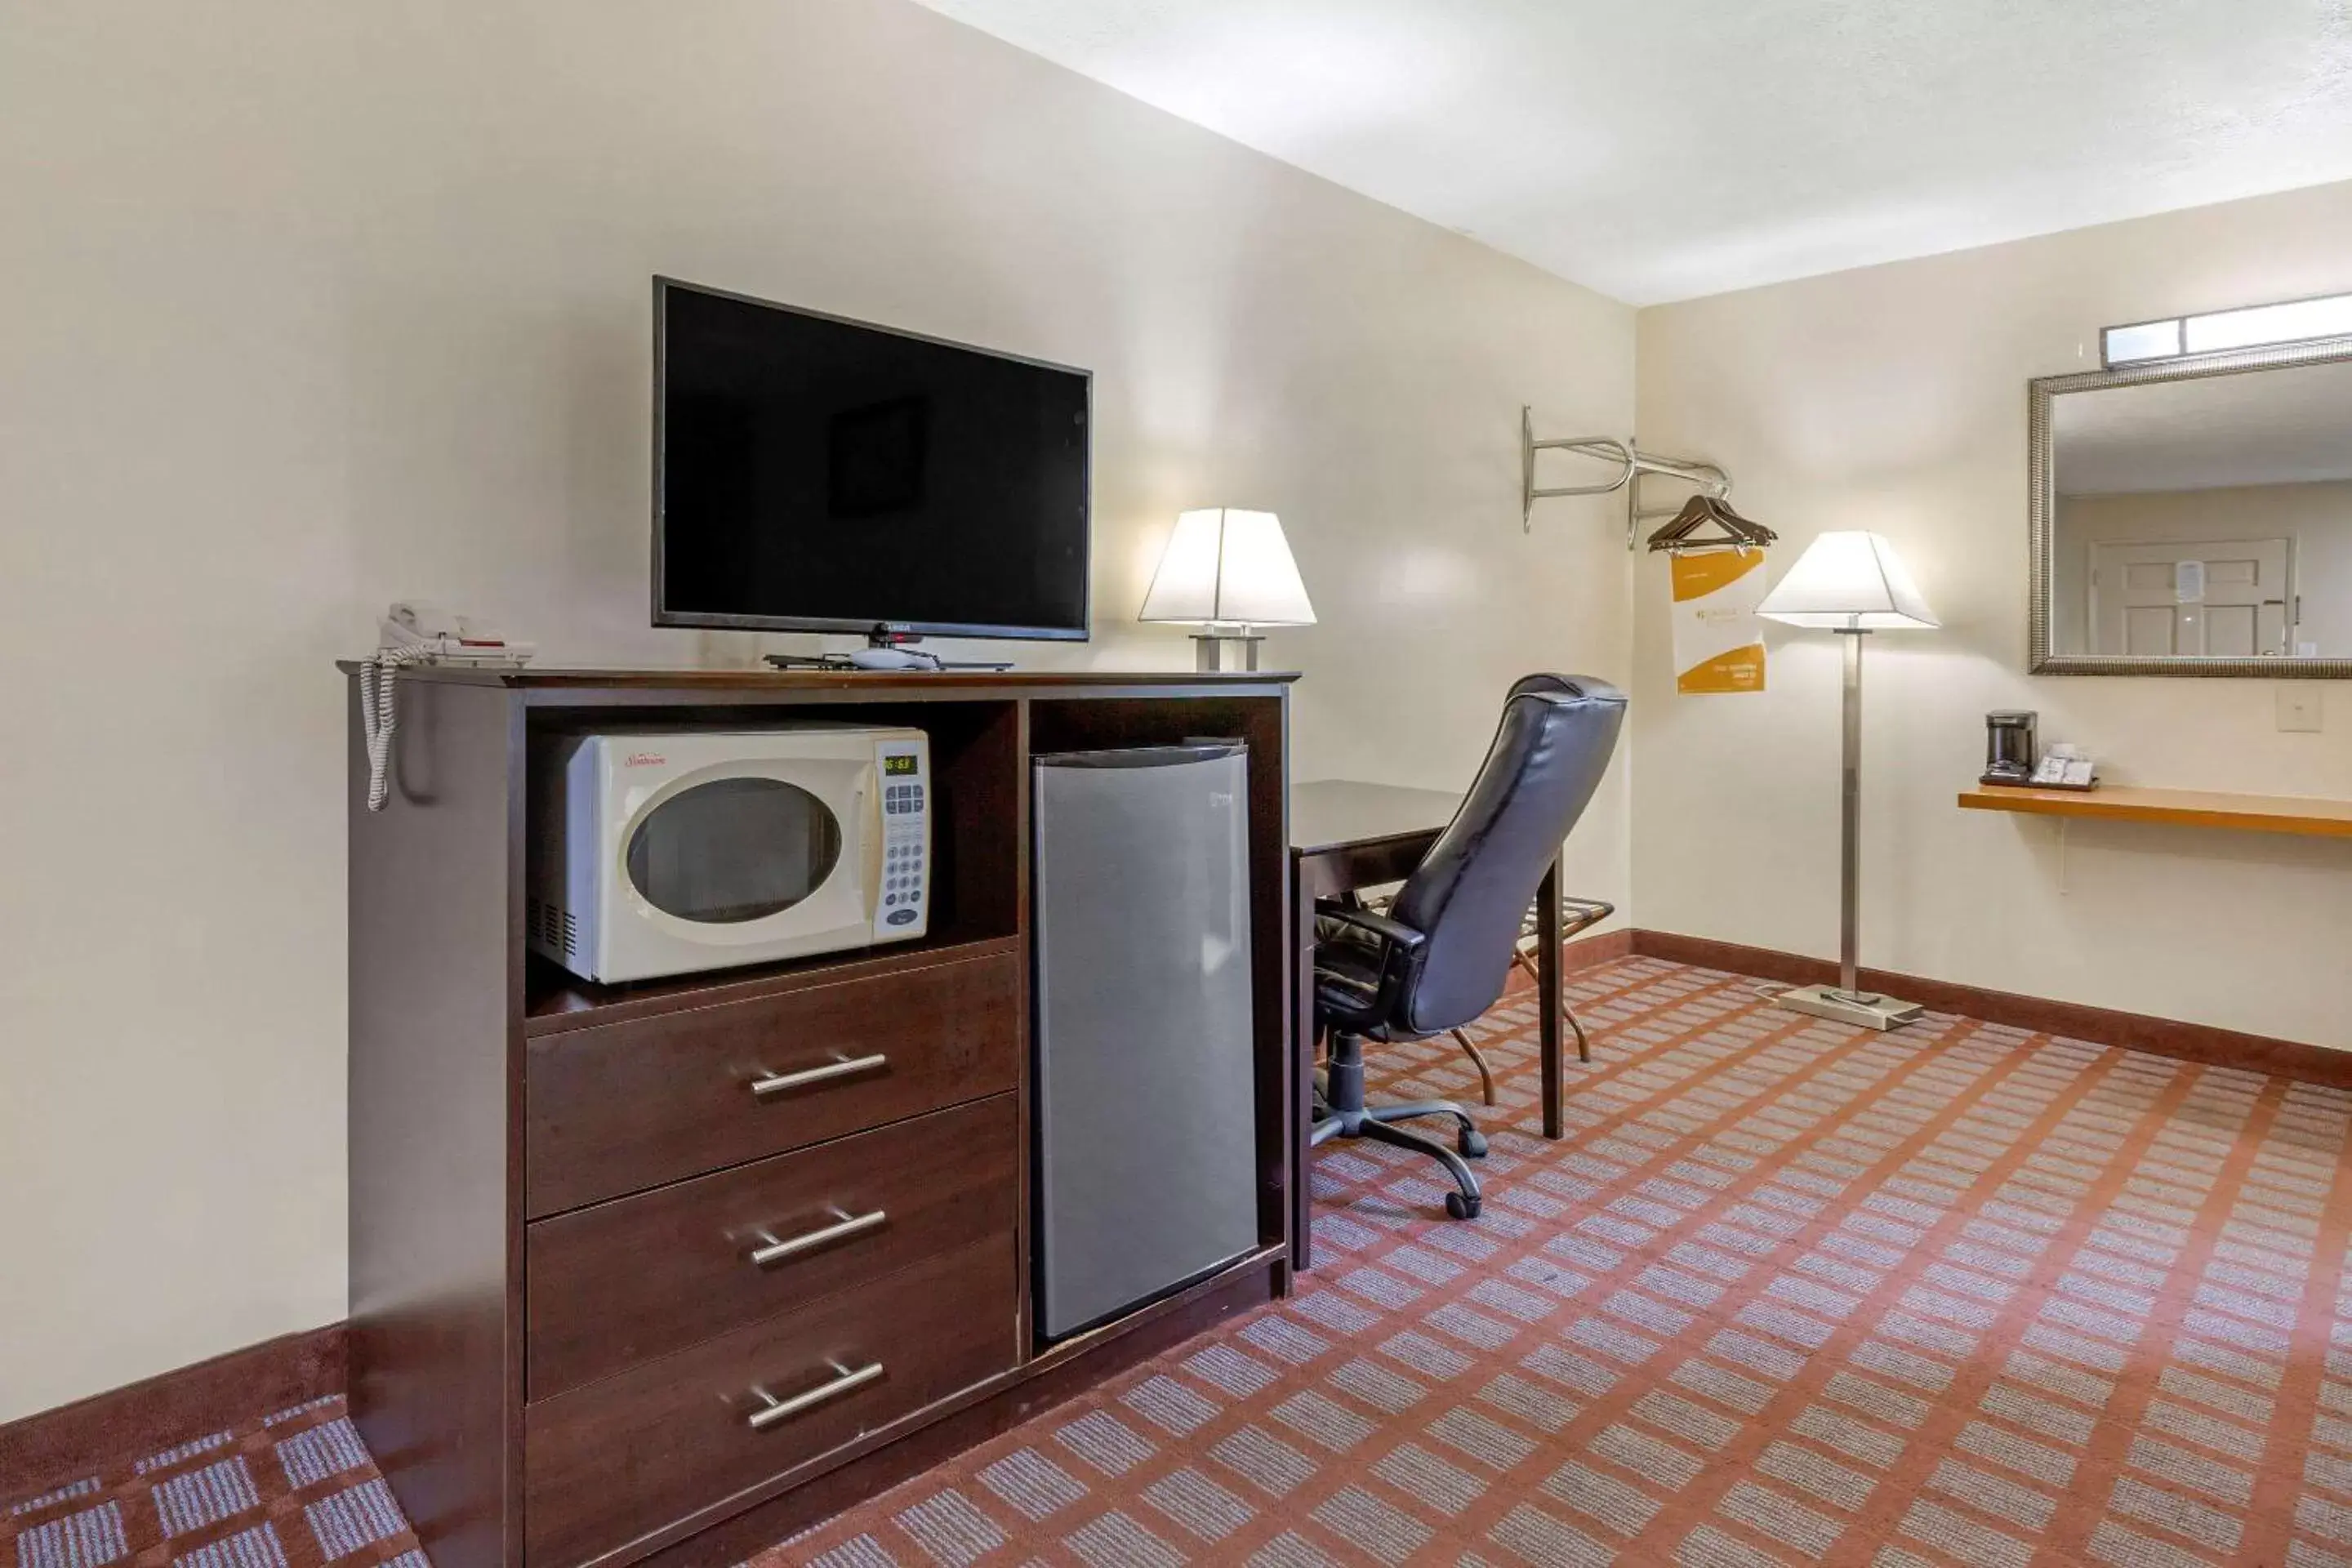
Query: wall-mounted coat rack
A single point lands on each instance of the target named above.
(1633, 466)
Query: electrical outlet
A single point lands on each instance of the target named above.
(2298, 705)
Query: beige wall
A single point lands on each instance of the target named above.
(2316, 516)
(1894, 398)
(312, 307)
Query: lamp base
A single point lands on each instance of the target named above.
(1223, 650)
(1866, 1008)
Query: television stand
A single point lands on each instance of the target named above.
(886, 647)
(870, 657)
(555, 1186)
(886, 660)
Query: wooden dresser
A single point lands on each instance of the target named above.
(668, 1271)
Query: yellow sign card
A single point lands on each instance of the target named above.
(1718, 642)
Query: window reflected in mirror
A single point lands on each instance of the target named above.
(2208, 517)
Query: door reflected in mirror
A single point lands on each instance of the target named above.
(2191, 515)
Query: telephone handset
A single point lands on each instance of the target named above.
(413, 632)
(414, 623)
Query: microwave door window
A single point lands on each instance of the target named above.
(733, 849)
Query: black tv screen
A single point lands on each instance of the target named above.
(814, 474)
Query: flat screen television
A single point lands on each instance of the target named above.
(816, 474)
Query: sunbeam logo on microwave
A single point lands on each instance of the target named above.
(644, 759)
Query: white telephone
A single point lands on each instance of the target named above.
(2064, 767)
(413, 624)
(413, 632)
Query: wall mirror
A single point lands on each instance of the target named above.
(2195, 517)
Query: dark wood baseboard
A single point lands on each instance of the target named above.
(1575, 957)
(52, 1448)
(2103, 1025)
(1592, 951)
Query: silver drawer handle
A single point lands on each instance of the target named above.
(776, 1083)
(776, 1409)
(792, 1246)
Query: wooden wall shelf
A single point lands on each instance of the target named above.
(2305, 814)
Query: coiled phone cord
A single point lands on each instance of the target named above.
(378, 711)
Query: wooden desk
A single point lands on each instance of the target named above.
(1345, 835)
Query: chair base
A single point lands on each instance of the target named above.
(1342, 1114)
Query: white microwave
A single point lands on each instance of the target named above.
(662, 852)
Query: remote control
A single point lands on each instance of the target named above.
(893, 658)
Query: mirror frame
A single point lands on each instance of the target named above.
(2042, 514)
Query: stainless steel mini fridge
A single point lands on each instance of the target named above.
(1147, 1109)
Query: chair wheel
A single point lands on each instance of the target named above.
(1472, 1142)
(1461, 1207)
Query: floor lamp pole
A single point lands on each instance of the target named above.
(1850, 837)
(1847, 1001)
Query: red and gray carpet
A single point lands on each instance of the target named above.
(291, 1490)
(1788, 1293)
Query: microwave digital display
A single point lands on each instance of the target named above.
(893, 766)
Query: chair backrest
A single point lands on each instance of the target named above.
(1473, 889)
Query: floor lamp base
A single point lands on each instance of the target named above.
(1866, 1008)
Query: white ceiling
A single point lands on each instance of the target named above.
(2262, 427)
(1664, 149)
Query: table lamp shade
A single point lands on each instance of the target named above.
(1848, 582)
(1225, 566)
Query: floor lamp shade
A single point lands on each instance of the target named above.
(1230, 571)
(1851, 584)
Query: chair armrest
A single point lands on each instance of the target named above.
(1398, 936)
(1400, 949)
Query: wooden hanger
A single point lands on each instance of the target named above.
(1703, 512)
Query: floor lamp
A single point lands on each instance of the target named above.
(1853, 584)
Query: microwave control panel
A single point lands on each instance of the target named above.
(906, 837)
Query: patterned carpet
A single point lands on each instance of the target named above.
(294, 1489)
(1788, 1293)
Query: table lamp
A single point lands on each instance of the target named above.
(1227, 570)
(1850, 583)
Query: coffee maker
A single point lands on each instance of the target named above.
(2009, 747)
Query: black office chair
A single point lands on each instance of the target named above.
(1440, 954)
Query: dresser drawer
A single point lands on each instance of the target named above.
(610, 1461)
(618, 1108)
(622, 1282)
